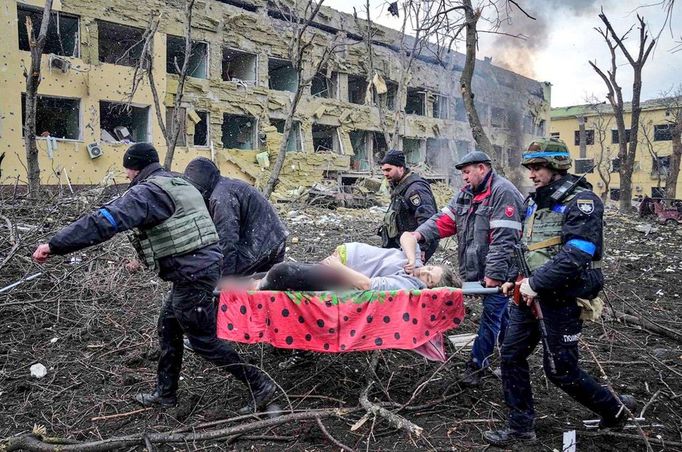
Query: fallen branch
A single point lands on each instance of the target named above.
(326, 433)
(647, 325)
(35, 442)
(394, 419)
(115, 416)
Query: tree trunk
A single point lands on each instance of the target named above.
(33, 79)
(174, 128)
(279, 163)
(477, 131)
(674, 171)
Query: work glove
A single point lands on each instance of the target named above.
(526, 290)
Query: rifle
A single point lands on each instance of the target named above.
(524, 272)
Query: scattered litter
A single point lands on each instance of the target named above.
(38, 370)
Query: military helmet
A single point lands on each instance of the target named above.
(473, 157)
(549, 151)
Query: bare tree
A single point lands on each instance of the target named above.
(601, 124)
(33, 79)
(647, 140)
(471, 19)
(172, 129)
(301, 51)
(674, 108)
(626, 153)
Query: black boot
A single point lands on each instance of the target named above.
(187, 344)
(472, 375)
(155, 399)
(621, 418)
(261, 394)
(508, 437)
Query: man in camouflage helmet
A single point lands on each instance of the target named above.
(562, 238)
(486, 216)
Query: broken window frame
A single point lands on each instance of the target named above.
(412, 146)
(337, 146)
(295, 133)
(462, 148)
(583, 165)
(589, 137)
(614, 136)
(285, 62)
(443, 103)
(389, 96)
(615, 165)
(331, 84)
(182, 138)
(253, 133)
(357, 163)
(122, 106)
(130, 56)
(439, 158)
(415, 93)
(57, 118)
(54, 35)
(378, 138)
(239, 53)
(357, 96)
(180, 57)
(663, 132)
(660, 165)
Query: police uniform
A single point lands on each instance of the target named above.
(173, 234)
(412, 203)
(563, 238)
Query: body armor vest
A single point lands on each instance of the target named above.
(542, 231)
(188, 229)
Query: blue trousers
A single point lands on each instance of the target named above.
(490, 329)
(564, 328)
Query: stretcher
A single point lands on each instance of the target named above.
(339, 322)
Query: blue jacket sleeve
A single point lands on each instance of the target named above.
(582, 241)
(142, 205)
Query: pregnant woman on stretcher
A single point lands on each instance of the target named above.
(355, 266)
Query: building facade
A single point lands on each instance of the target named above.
(600, 149)
(238, 94)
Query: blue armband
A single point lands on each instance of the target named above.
(106, 214)
(583, 245)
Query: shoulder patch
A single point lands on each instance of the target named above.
(416, 200)
(509, 211)
(586, 206)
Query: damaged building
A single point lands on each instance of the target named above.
(238, 93)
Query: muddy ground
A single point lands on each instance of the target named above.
(92, 324)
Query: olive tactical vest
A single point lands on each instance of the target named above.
(542, 231)
(188, 229)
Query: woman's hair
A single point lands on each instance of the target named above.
(449, 278)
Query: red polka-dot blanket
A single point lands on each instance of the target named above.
(337, 322)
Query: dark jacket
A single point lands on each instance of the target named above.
(247, 224)
(143, 205)
(487, 222)
(413, 203)
(569, 273)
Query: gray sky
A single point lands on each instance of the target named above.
(562, 40)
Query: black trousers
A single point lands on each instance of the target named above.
(300, 276)
(190, 309)
(564, 328)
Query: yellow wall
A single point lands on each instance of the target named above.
(642, 178)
